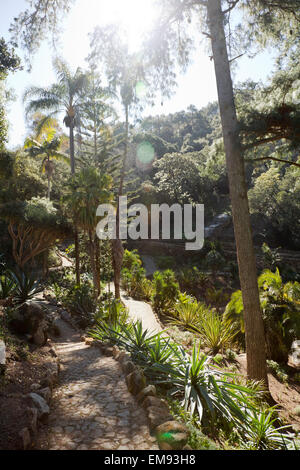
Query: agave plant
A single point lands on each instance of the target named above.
(188, 315)
(217, 333)
(26, 286)
(263, 433)
(206, 392)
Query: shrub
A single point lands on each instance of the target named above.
(193, 280)
(188, 314)
(280, 306)
(111, 311)
(26, 286)
(263, 432)
(278, 371)
(216, 333)
(131, 259)
(165, 262)
(166, 290)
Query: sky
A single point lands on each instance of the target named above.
(197, 86)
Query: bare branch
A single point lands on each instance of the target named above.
(272, 158)
(232, 6)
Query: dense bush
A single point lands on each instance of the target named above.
(280, 306)
(166, 290)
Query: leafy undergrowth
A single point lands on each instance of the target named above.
(220, 403)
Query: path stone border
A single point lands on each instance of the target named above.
(170, 434)
(38, 401)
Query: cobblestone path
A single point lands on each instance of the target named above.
(91, 407)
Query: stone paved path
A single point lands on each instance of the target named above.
(92, 408)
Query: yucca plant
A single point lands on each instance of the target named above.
(217, 333)
(26, 286)
(263, 432)
(188, 315)
(205, 392)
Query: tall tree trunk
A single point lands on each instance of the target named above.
(72, 148)
(49, 187)
(254, 328)
(76, 237)
(93, 262)
(97, 261)
(77, 262)
(117, 248)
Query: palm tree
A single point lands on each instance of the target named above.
(50, 149)
(123, 70)
(88, 189)
(63, 96)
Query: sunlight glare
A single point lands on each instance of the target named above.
(135, 16)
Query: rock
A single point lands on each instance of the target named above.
(156, 402)
(32, 416)
(123, 356)
(127, 367)
(135, 382)
(116, 352)
(41, 405)
(52, 351)
(56, 327)
(148, 391)
(39, 338)
(26, 438)
(52, 374)
(296, 411)
(65, 316)
(187, 447)
(108, 351)
(46, 394)
(157, 416)
(296, 353)
(35, 387)
(165, 446)
(2, 357)
(30, 319)
(2, 353)
(89, 341)
(172, 433)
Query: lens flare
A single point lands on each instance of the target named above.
(145, 152)
(141, 90)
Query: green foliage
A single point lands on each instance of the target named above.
(166, 290)
(134, 279)
(111, 311)
(207, 395)
(79, 299)
(271, 258)
(216, 332)
(193, 280)
(26, 286)
(131, 259)
(165, 262)
(278, 371)
(7, 286)
(189, 314)
(197, 440)
(263, 432)
(280, 306)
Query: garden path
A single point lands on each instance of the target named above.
(92, 408)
